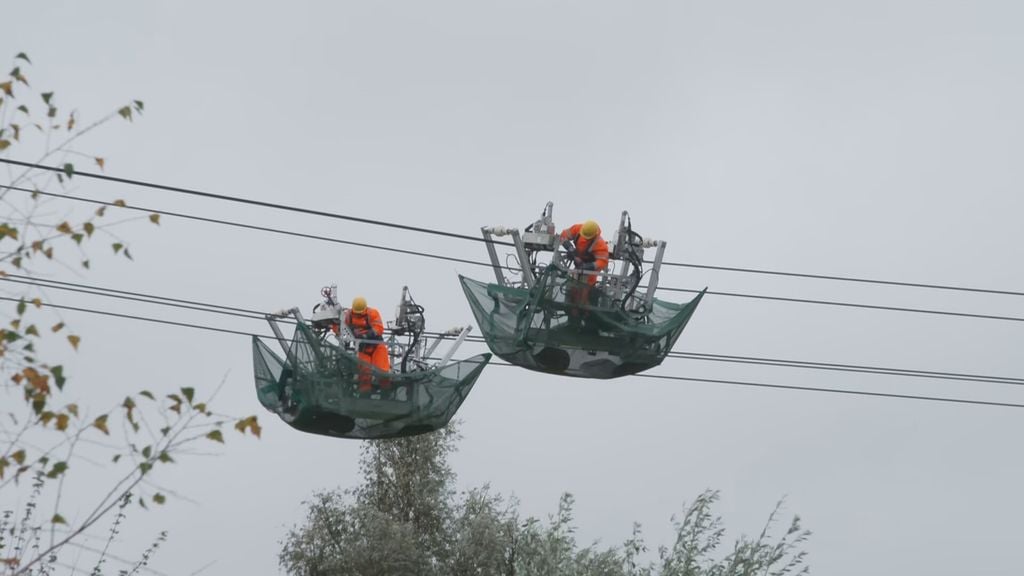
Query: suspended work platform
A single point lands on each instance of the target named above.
(544, 314)
(318, 385)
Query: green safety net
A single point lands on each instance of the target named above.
(314, 388)
(563, 326)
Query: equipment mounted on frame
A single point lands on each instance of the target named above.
(545, 315)
(316, 385)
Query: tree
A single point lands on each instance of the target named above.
(406, 518)
(45, 430)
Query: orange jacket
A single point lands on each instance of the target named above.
(594, 250)
(368, 321)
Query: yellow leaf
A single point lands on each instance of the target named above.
(73, 410)
(57, 327)
(120, 203)
(37, 302)
(7, 87)
(19, 457)
(4, 144)
(100, 162)
(154, 218)
(101, 424)
(74, 340)
(62, 422)
(64, 228)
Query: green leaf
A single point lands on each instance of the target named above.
(23, 109)
(69, 169)
(145, 467)
(19, 457)
(147, 394)
(138, 105)
(58, 519)
(159, 498)
(58, 469)
(32, 330)
(115, 458)
(89, 228)
(21, 307)
(128, 254)
(117, 246)
(165, 458)
(216, 436)
(147, 452)
(125, 112)
(85, 264)
(46, 97)
(22, 56)
(189, 393)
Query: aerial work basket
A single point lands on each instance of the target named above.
(547, 313)
(318, 386)
(563, 326)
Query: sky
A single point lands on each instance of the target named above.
(872, 139)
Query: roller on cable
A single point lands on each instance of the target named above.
(568, 303)
(344, 374)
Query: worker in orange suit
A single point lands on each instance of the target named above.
(589, 252)
(368, 328)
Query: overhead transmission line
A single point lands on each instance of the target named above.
(430, 255)
(371, 221)
(250, 314)
(886, 395)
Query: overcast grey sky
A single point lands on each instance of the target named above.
(869, 138)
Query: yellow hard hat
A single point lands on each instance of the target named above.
(359, 304)
(590, 229)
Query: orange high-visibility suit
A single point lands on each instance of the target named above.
(590, 255)
(369, 326)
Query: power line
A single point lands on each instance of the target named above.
(257, 315)
(140, 318)
(850, 305)
(276, 206)
(655, 376)
(489, 265)
(838, 278)
(251, 226)
(834, 390)
(261, 203)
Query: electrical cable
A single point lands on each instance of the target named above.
(488, 265)
(839, 278)
(257, 315)
(655, 376)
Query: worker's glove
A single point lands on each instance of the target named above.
(587, 266)
(568, 245)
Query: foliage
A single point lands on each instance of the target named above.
(406, 518)
(47, 435)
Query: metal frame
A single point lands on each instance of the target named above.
(542, 236)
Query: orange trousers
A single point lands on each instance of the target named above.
(375, 355)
